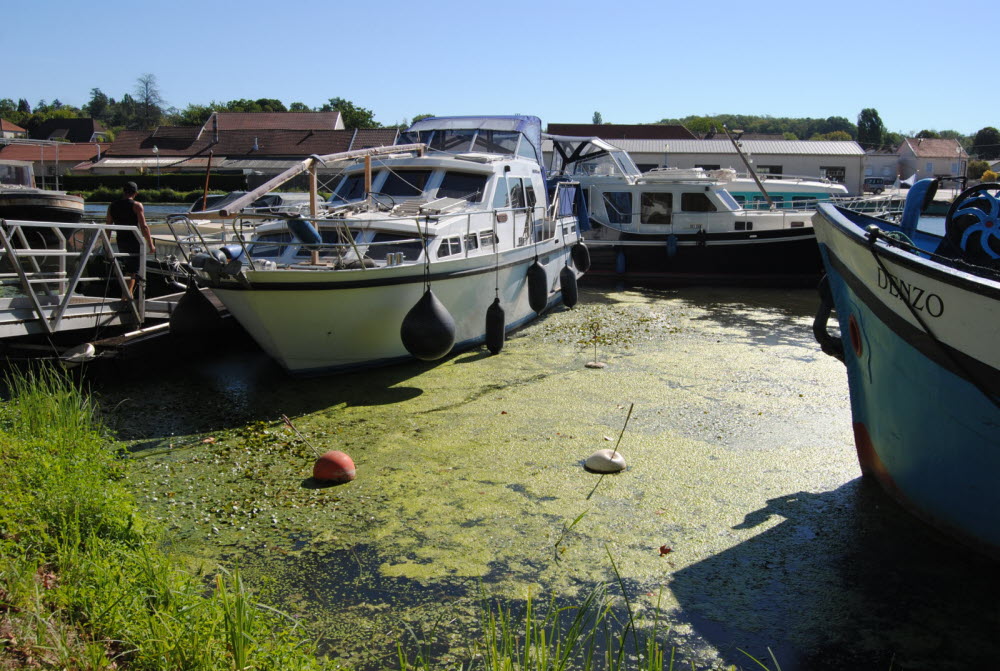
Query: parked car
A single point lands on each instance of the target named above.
(874, 185)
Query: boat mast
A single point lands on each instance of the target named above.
(753, 173)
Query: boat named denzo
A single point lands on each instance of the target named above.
(449, 239)
(920, 316)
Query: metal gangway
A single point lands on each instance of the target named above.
(58, 277)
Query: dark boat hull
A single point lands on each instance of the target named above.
(779, 257)
(38, 205)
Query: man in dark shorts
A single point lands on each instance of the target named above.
(127, 211)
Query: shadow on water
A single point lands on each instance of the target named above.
(847, 580)
(229, 386)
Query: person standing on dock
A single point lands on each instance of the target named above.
(127, 211)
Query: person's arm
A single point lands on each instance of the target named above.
(140, 214)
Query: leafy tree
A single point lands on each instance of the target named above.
(976, 168)
(353, 116)
(928, 135)
(597, 120)
(837, 135)
(871, 130)
(892, 140)
(419, 117)
(989, 176)
(7, 107)
(986, 143)
(98, 107)
(23, 107)
(148, 102)
(299, 107)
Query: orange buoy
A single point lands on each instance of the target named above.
(334, 466)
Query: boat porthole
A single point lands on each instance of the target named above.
(855, 332)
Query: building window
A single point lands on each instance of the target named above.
(696, 202)
(929, 168)
(770, 170)
(646, 167)
(656, 208)
(707, 166)
(834, 173)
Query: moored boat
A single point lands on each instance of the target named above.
(684, 224)
(920, 317)
(445, 241)
(21, 200)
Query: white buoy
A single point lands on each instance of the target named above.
(605, 461)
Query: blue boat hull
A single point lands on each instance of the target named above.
(926, 423)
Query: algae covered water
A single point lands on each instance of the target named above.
(741, 518)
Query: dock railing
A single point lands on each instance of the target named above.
(54, 266)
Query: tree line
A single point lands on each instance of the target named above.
(144, 108)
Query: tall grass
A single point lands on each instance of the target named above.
(82, 583)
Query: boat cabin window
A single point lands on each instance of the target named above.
(465, 185)
(760, 202)
(328, 236)
(450, 247)
(486, 237)
(471, 242)
(529, 192)
(516, 193)
(391, 243)
(501, 198)
(618, 205)
(730, 201)
(656, 208)
(805, 201)
(454, 141)
(696, 202)
(351, 188)
(270, 244)
(405, 182)
(496, 142)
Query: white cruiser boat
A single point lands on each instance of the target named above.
(445, 241)
(685, 223)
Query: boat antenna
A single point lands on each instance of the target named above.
(753, 173)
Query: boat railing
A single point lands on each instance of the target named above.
(531, 225)
(51, 264)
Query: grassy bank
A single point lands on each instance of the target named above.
(85, 585)
(82, 583)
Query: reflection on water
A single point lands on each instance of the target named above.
(740, 460)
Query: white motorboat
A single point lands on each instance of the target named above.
(445, 241)
(685, 223)
(20, 199)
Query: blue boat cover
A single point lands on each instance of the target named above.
(529, 126)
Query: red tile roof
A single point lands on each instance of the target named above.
(935, 148)
(274, 121)
(8, 127)
(67, 152)
(261, 143)
(234, 143)
(622, 131)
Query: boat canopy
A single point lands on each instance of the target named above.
(582, 156)
(515, 135)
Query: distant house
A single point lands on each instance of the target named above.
(11, 130)
(71, 130)
(882, 163)
(257, 144)
(925, 157)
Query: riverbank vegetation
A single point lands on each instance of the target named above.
(85, 582)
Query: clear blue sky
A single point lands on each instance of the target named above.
(634, 62)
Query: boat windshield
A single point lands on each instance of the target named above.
(461, 141)
(465, 185)
(600, 166)
(728, 199)
(351, 188)
(19, 175)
